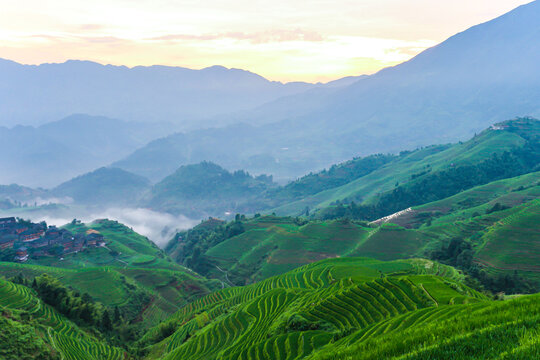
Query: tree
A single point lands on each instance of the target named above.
(106, 323)
(116, 315)
(86, 314)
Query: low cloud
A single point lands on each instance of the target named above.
(261, 37)
(158, 227)
(39, 201)
(71, 38)
(91, 27)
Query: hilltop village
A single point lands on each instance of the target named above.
(26, 239)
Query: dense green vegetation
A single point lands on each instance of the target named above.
(104, 186)
(477, 166)
(491, 223)
(335, 176)
(207, 189)
(124, 247)
(509, 149)
(342, 280)
(187, 246)
(20, 340)
(52, 333)
(335, 308)
(332, 303)
(142, 296)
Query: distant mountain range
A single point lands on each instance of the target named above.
(34, 95)
(365, 188)
(104, 187)
(485, 74)
(47, 155)
(378, 185)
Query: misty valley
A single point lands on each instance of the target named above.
(167, 213)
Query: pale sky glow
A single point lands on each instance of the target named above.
(285, 40)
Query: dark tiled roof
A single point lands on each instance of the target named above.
(8, 238)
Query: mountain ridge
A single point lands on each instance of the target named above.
(483, 75)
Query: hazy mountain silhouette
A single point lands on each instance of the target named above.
(483, 75)
(57, 151)
(33, 95)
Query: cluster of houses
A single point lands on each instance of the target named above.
(37, 240)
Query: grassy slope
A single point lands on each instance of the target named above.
(133, 248)
(291, 315)
(505, 240)
(165, 290)
(141, 270)
(507, 192)
(490, 330)
(273, 245)
(514, 241)
(436, 158)
(56, 331)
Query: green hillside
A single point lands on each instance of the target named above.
(410, 247)
(52, 335)
(514, 241)
(490, 330)
(104, 186)
(124, 247)
(204, 189)
(505, 150)
(130, 273)
(334, 306)
(507, 192)
(498, 218)
(145, 296)
(337, 175)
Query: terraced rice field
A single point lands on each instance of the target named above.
(514, 241)
(64, 336)
(294, 315)
(487, 330)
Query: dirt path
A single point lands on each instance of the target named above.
(485, 263)
(54, 344)
(428, 294)
(226, 275)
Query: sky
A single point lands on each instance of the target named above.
(282, 40)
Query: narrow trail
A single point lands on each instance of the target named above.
(428, 294)
(485, 263)
(226, 275)
(122, 261)
(53, 343)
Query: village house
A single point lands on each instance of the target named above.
(7, 241)
(78, 243)
(68, 244)
(21, 255)
(41, 241)
(31, 235)
(52, 232)
(20, 230)
(95, 239)
(7, 222)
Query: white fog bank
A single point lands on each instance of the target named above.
(157, 226)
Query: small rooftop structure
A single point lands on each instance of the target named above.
(7, 221)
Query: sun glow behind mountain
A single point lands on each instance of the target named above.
(287, 41)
